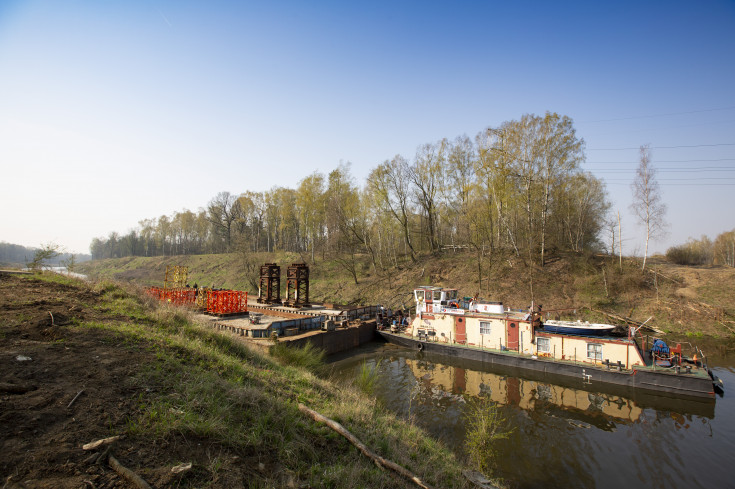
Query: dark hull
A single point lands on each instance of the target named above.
(682, 386)
(576, 330)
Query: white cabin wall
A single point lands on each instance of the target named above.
(525, 335)
(613, 351)
(493, 340)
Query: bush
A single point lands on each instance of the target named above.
(485, 427)
(693, 252)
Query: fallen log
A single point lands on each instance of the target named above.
(127, 473)
(15, 388)
(379, 461)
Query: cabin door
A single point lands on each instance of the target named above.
(460, 330)
(511, 329)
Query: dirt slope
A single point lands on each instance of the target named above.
(40, 436)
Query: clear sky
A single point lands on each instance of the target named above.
(112, 111)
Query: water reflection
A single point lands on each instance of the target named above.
(563, 434)
(441, 381)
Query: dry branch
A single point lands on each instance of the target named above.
(379, 461)
(127, 473)
(75, 398)
(15, 388)
(656, 272)
(627, 320)
(104, 441)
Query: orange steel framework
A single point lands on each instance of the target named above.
(217, 301)
(227, 301)
(179, 297)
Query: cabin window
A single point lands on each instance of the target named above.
(419, 295)
(594, 351)
(484, 327)
(543, 345)
(437, 295)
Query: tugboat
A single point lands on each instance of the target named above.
(491, 333)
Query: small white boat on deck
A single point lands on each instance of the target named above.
(577, 327)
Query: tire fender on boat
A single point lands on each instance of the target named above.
(420, 346)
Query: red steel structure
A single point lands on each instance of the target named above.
(227, 301)
(218, 301)
(179, 297)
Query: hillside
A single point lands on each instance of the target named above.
(83, 362)
(683, 300)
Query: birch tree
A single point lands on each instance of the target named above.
(647, 204)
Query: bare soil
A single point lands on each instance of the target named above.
(41, 437)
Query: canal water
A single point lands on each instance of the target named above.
(562, 434)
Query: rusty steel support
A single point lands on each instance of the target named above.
(297, 285)
(270, 284)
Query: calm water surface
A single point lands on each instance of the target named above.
(564, 435)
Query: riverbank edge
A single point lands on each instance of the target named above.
(191, 365)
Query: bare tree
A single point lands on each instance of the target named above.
(390, 184)
(44, 253)
(647, 205)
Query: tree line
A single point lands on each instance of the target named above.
(518, 187)
(14, 254)
(704, 251)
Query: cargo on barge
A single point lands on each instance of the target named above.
(490, 333)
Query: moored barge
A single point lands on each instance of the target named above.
(492, 334)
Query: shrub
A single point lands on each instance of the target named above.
(693, 252)
(368, 377)
(485, 427)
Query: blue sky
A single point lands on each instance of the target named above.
(115, 111)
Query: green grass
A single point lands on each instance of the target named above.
(307, 357)
(202, 384)
(367, 377)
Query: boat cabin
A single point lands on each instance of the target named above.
(442, 317)
(434, 299)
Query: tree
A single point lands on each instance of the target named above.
(460, 181)
(724, 249)
(44, 253)
(390, 185)
(222, 212)
(70, 263)
(310, 199)
(427, 175)
(647, 205)
(559, 156)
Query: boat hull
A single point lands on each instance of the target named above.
(689, 386)
(577, 330)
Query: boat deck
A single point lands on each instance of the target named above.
(696, 369)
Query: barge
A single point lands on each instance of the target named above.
(489, 333)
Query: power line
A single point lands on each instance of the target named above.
(675, 179)
(682, 184)
(666, 170)
(662, 161)
(665, 147)
(658, 115)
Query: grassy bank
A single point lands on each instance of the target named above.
(683, 300)
(179, 392)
